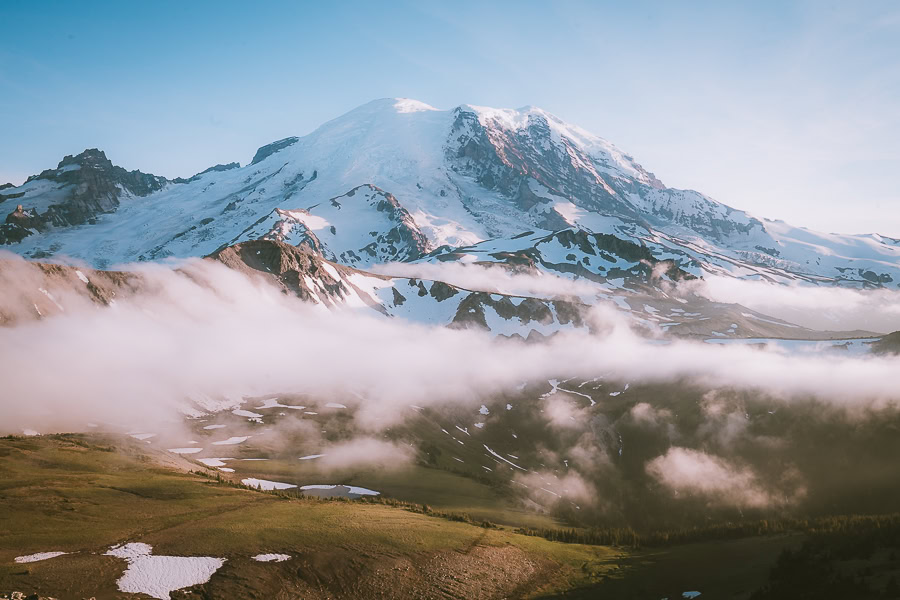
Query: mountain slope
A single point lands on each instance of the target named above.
(442, 178)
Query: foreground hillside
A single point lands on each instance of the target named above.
(83, 495)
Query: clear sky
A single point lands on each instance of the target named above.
(787, 109)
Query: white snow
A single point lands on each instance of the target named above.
(82, 276)
(213, 462)
(265, 484)
(335, 405)
(272, 557)
(214, 426)
(311, 456)
(246, 413)
(185, 450)
(38, 556)
(158, 576)
(503, 459)
(232, 440)
(351, 489)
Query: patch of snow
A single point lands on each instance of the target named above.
(351, 489)
(264, 484)
(272, 557)
(246, 413)
(30, 558)
(214, 426)
(232, 440)
(158, 576)
(335, 405)
(311, 456)
(214, 462)
(185, 450)
(503, 459)
(82, 276)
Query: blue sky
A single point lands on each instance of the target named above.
(787, 109)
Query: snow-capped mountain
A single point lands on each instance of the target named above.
(397, 180)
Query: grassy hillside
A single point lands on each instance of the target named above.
(82, 495)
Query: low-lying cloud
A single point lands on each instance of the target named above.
(208, 337)
(816, 307)
(693, 472)
(497, 279)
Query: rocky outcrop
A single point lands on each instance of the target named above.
(296, 270)
(88, 185)
(19, 224)
(272, 148)
(213, 169)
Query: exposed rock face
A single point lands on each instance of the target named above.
(88, 185)
(272, 148)
(295, 270)
(504, 158)
(19, 224)
(214, 169)
(362, 227)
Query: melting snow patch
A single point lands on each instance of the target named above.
(157, 576)
(246, 413)
(479, 425)
(311, 456)
(214, 462)
(341, 490)
(142, 436)
(267, 485)
(335, 405)
(82, 277)
(39, 556)
(484, 410)
(272, 557)
(185, 450)
(232, 440)
(214, 427)
(690, 594)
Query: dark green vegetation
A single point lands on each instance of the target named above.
(849, 558)
(889, 344)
